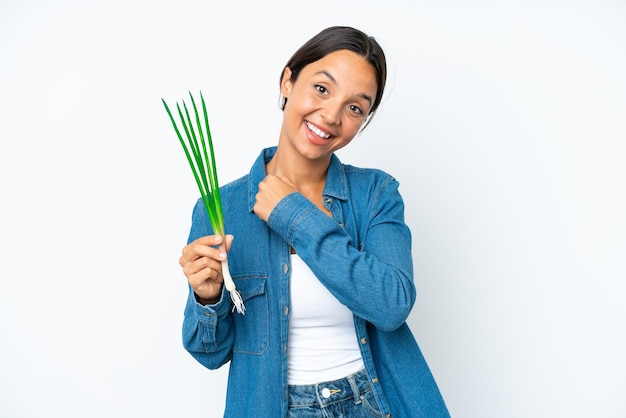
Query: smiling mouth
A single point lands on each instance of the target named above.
(317, 131)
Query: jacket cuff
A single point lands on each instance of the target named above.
(288, 213)
(210, 313)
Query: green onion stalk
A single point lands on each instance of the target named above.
(202, 163)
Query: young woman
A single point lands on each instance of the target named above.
(322, 259)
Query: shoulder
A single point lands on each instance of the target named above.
(374, 173)
(357, 173)
(368, 180)
(242, 181)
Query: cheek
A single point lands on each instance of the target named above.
(353, 125)
(300, 104)
(292, 116)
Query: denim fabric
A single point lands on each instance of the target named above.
(350, 397)
(363, 257)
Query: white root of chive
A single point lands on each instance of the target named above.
(230, 286)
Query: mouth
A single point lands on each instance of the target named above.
(317, 131)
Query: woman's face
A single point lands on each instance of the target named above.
(328, 103)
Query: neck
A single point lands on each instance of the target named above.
(308, 176)
(301, 172)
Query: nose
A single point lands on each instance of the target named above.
(331, 112)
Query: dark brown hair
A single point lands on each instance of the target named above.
(336, 38)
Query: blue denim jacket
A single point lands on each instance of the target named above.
(362, 255)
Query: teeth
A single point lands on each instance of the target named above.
(317, 131)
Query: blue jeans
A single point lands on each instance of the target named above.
(349, 397)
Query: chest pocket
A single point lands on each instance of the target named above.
(252, 329)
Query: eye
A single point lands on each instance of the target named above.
(321, 89)
(356, 109)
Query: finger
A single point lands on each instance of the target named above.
(204, 277)
(229, 241)
(201, 245)
(209, 240)
(202, 269)
(206, 284)
(205, 262)
(287, 181)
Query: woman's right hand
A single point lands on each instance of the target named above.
(202, 265)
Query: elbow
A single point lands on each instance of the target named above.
(395, 314)
(394, 319)
(207, 354)
(199, 340)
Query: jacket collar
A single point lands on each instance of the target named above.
(336, 181)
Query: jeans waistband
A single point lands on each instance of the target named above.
(326, 393)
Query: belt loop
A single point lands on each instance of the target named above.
(355, 389)
(320, 402)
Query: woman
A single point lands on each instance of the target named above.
(322, 259)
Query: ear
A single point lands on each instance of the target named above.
(285, 83)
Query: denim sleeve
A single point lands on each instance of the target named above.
(208, 333)
(374, 277)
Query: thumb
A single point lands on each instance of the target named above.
(286, 180)
(229, 241)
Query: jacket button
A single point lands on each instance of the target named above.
(388, 415)
(374, 380)
(363, 340)
(285, 268)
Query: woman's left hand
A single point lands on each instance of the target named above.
(271, 190)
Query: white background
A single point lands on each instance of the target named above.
(504, 122)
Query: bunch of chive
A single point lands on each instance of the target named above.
(202, 163)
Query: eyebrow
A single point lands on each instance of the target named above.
(330, 76)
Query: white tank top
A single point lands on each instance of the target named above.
(322, 343)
